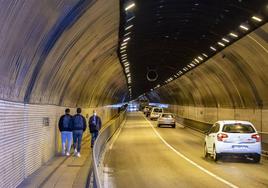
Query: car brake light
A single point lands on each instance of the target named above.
(221, 136)
(257, 137)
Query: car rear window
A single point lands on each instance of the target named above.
(157, 110)
(167, 115)
(238, 128)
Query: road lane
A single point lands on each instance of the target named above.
(140, 159)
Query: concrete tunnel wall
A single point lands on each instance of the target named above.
(53, 54)
(231, 85)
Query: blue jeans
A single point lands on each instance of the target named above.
(77, 136)
(66, 136)
(94, 136)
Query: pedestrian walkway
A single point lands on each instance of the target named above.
(62, 171)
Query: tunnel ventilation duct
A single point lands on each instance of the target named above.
(152, 75)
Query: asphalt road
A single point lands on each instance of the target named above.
(146, 156)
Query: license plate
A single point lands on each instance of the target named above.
(239, 147)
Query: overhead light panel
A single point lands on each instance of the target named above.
(124, 44)
(221, 44)
(196, 60)
(130, 6)
(122, 51)
(212, 48)
(126, 39)
(127, 34)
(200, 58)
(204, 55)
(130, 18)
(256, 18)
(128, 27)
(244, 27)
(233, 35)
(225, 40)
(123, 47)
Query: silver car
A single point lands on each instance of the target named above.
(166, 119)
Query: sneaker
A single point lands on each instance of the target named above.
(67, 154)
(78, 154)
(75, 151)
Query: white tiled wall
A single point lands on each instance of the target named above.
(25, 143)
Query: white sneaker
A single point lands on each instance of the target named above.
(67, 154)
(78, 154)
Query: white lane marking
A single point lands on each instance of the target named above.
(258, 43)
(190, 161)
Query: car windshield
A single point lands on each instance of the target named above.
(167, 115)
(157, 110)
(238, 128)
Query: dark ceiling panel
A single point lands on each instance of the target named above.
(167, 35)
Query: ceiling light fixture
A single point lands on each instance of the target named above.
(221, 44)
(132, 5)
(212, 48)
(256, 18)
(124, 44)
(204, 55)
(233, 35)
(196, 60)
(130, 18)
(123, 47)
(200, 58)
(122, 51)
(244, 27)
(225, 40)
(128, 27)
(127, 39)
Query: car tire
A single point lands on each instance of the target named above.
(215, 156)
(158, 125)
(205, 151)
(256, 158)
(174, 126)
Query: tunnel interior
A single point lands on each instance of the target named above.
(206, 59)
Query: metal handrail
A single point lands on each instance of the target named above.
(100, 144)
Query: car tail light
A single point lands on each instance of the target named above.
(221, 136)
(257, 137)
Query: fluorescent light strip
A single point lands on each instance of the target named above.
(196, 60)
(200, 58)
(205, 55)
(124, 55)
(225, 40)
(221, 44)
(123, 47)
(130, 18)
(124, 44)
(244, 27)
(132, 5)
(128, 27)
(122, 51)
(233, 35)
(256, 18)
(212, 48)
(127, 33)
(127, 39)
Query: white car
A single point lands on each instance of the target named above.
(233, 137)
(166, 119)
(156, 112)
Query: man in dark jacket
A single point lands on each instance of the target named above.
(79, 126)
(94, 127)
(65, 127)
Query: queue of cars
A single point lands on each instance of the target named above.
(225, 137)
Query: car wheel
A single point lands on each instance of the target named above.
(158, 125)
(205, 151)
(256, 158)
(216, 156)
(173, 126)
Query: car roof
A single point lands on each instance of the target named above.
(233, 122)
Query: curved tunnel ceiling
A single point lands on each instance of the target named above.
(61, 52)
(235, 78)
(171, 37)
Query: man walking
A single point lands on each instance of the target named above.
(94, 126)
(65, 127)
(79, 126)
